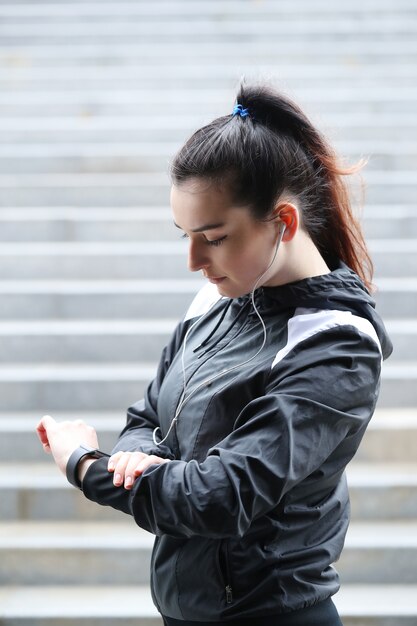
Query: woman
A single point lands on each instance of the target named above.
(235, 458)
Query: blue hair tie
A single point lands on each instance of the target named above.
(239, 110)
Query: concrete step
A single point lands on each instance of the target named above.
(86, 105)
(131, 605)
(378, 222)
(297, 48)
(74, 553)
(84, 386)
(33, 492)
(377, 605)
(383, 491)
(364, 76)
(99, 260)
(163, 128)
(134, 53)
(396, 297)
(403, 334)
(85, 189)
(90, 341)
(205, 28)
(119, 553)
(399, 385)
(151, 188)
(391, 437)
(159, 101)
(28, 9)
(18, 438)
(119, 224)
(39, 492)
(96, 260)
(394, 257)
(97, 158)
(381, 552)
(87, 158)
(87, 224)
(97, 73)
(142, 299)
(296, 52)
(168, 128)
(97, 299)
(73, 386)
(125, 341)
(124, 605)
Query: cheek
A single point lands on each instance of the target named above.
(250, 261)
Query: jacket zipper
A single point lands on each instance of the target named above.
(228, 587)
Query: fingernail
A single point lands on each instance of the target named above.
(117, 479)
(110, 466)
(128, 481)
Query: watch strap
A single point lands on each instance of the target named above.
(75, 459)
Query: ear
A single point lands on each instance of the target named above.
(287, 214)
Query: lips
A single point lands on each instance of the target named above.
(215, 280)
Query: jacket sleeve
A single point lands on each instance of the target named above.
(142, 418)
(317, 403)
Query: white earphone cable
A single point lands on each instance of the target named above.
(185, 398)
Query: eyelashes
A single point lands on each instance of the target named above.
(209, 242)
(216, 242)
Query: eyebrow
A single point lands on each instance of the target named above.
(200, 229)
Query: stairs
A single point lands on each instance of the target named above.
(95, 98)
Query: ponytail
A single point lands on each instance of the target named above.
(275, 150)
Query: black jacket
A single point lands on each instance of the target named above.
(253, 509)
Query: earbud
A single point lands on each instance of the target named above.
(281, 232)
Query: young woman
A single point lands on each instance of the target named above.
(235, 457)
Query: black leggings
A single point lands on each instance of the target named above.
(321, 614)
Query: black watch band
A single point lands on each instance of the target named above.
(74, 460)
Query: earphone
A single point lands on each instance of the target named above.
(185, 398)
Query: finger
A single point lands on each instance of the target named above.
(113, 461)
(134, 460)
(46, 422)
(120, 468)
(147, 462)
(41, 432)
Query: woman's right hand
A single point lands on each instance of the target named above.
(127, 466)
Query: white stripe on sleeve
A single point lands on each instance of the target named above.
(308, 322)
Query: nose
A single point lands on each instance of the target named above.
(197, 257)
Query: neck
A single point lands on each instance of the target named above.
(296, 260)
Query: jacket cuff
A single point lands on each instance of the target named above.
(97, 486)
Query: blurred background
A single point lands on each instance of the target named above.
(95, 98)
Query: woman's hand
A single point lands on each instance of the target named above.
(61, 439)
(127, 466)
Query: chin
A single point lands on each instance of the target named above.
(230, 292)
(224, 291)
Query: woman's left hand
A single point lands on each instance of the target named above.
(62, 438)
(128, 466)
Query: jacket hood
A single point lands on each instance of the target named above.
(341, 289)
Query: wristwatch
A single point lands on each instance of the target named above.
(75, 458)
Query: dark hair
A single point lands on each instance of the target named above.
(274, 151)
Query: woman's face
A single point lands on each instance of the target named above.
(229, 246)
